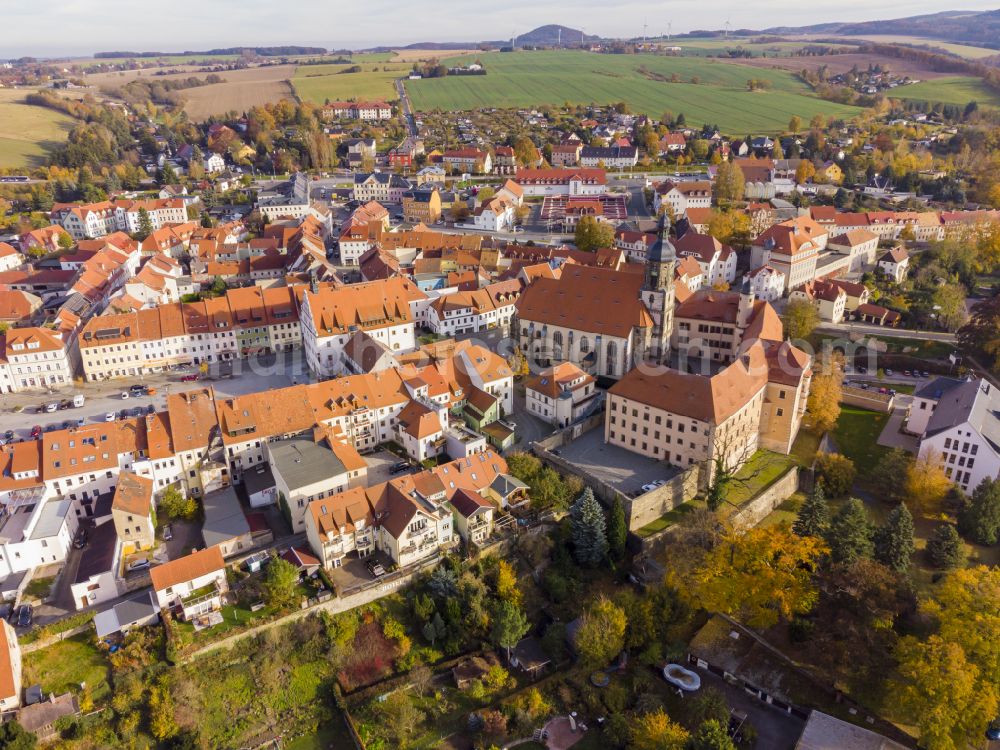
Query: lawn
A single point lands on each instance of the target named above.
(949, 90)
(28, 133)
(317, 83)
(763, 468)
(525, 79)
(856, 436)
(65, 665)
(670, 518)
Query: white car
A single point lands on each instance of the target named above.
(109, 417)
(124, 395)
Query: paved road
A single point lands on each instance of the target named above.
(404, 103)
(896, 333)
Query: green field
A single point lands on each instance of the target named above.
(317, 83)
(962, 50)
(28, 133)
(949, 90)
(715, 46)
(526, 79)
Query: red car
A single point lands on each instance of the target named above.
(36, 430)
(189, 378)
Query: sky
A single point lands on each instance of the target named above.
(80, 27)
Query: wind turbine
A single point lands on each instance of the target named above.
(727, 28)
(645, 26)
(513, 40)
(669, 26)
(559, 38)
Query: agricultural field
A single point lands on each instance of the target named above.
(28, 133)
(241, 90)
(713, 46)
(414, 55)
(842, 63)
(950, 90)
(719, 96)
(962, 50)
(317, 83)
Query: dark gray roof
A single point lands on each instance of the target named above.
(301, 462)
(258, 478)
(505, 484)
(936, 388)
(224, 519)
(663, 249)
(139, 608)
(99, 555)
(608, 152)
(975, 402)
(824, 732)
(385, 178)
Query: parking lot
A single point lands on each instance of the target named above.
(617, 467)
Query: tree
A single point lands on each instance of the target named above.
(729, 227)
(15, 737)
(712, 735)
(729, 183)
(145, 225)
(982, 332)
(280, 583)
(804, 172)
(592, 235)
(505, 582)
(601, 635)
(850, 533)
(926, 485)
(835, 474)
(940, 692)
(801, 318)
(944, 548)
(655, 731)
(979, 519)
(759, 575)
(885, 478)
(509, 625)
(795, 124)
(590, 540)
(813, 517)
(824, 396)
(777, 152)
(65, 241)
(176, 505)
(949, 303)
(399, 717)
(894, 541)
(617, 530)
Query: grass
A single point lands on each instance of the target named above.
(317, 83)
(962, 50)
(525, 79)
(65, 665)
(763, 468)
(922, 349)
(669, 519)
(805, 446)
(856, 435)
(958, 90)
(786, 512)
(39, 588)
(28, 133)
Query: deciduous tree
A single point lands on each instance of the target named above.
(729, 183)
(926, 484)
(656, 731)
(509, 625)
(800, 318)
(711, 735)
(279, 583)
(592, 235)
(601, 635)
(825, 394)
(835, 474)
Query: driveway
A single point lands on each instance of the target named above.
(893, 436)
(622, 469)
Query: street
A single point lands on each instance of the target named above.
(870, 329)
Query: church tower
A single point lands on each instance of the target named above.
(658, 291)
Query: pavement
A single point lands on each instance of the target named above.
(892, 434)
(869, 329)
(622, 469)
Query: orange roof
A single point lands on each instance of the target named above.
(187, 568)
(133, 494)
(8, 643)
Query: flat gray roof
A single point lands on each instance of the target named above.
(224, 518)
(51, 518)
(302, 462)
(824, 732)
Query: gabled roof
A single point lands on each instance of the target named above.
(133, 494)
(186, 568)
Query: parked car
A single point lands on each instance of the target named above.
(78, 400)
(168, 533)
(138, 565)
(80, 541)
(189, 378)
(993, 730)
(109, 417)
(6, 610)
(68, 424)
(65, 404)
(24, 613)
(36, 430)
(888, 372)
(137, 390)
(399, 468)
(375, 568)
(9, 435)
(124, 395)
(150, 409)
(51, 407)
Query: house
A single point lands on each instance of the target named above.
(192, 585)
(512, 193)
(962, 431)
(18, 308)
(225, 525)
(895, 263)
(96, 579)
(561, 394)
(341, 524)
(214, 164)
(529, 656)
(672, 143)
(857, 294)
(829, 172)
(33, 358)
(473, 516)
(306, 469)
(495, 214)
(132, 511)
(829, 299)
(860, 244)
(10, 258)
(10, 668)
(36, 533)
(422, 206)
(41, 719)
(421, 430)
(877, 315)
(566, 154)
(135, 612)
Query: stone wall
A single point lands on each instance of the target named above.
(646, 508)
(867, 399)
(757, 509)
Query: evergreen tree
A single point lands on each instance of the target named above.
(944, 548)
(814, 515)
(145, 225)
(850, 533)
(894, 541)
(979, 520)
(590, 540)
(617, 530)
(712, 735)
(509, 625)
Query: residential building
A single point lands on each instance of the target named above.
(10, 258)
(860, 244)
(495, 214)
(543, 182)
(383, 187)
(290, 199)
(791, 247)
(132, 510)
(467, 160)
(192, 585)
(766, 283)
(894, 264)
(10, 668)
(339, 525)
(96, 578)
(33, 358)
(560, 395)
(18, 308)
(680, 196)
(609, 157)
(135, 612)
(717, 261)
(35, 531)
(364, 111)
(962, 431)
(225, 526)
(491, 307)
(473, 516)
(828, 298)
(422, 206)
(566, 154)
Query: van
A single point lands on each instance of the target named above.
(78, 400)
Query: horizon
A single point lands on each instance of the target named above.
(38, 38)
